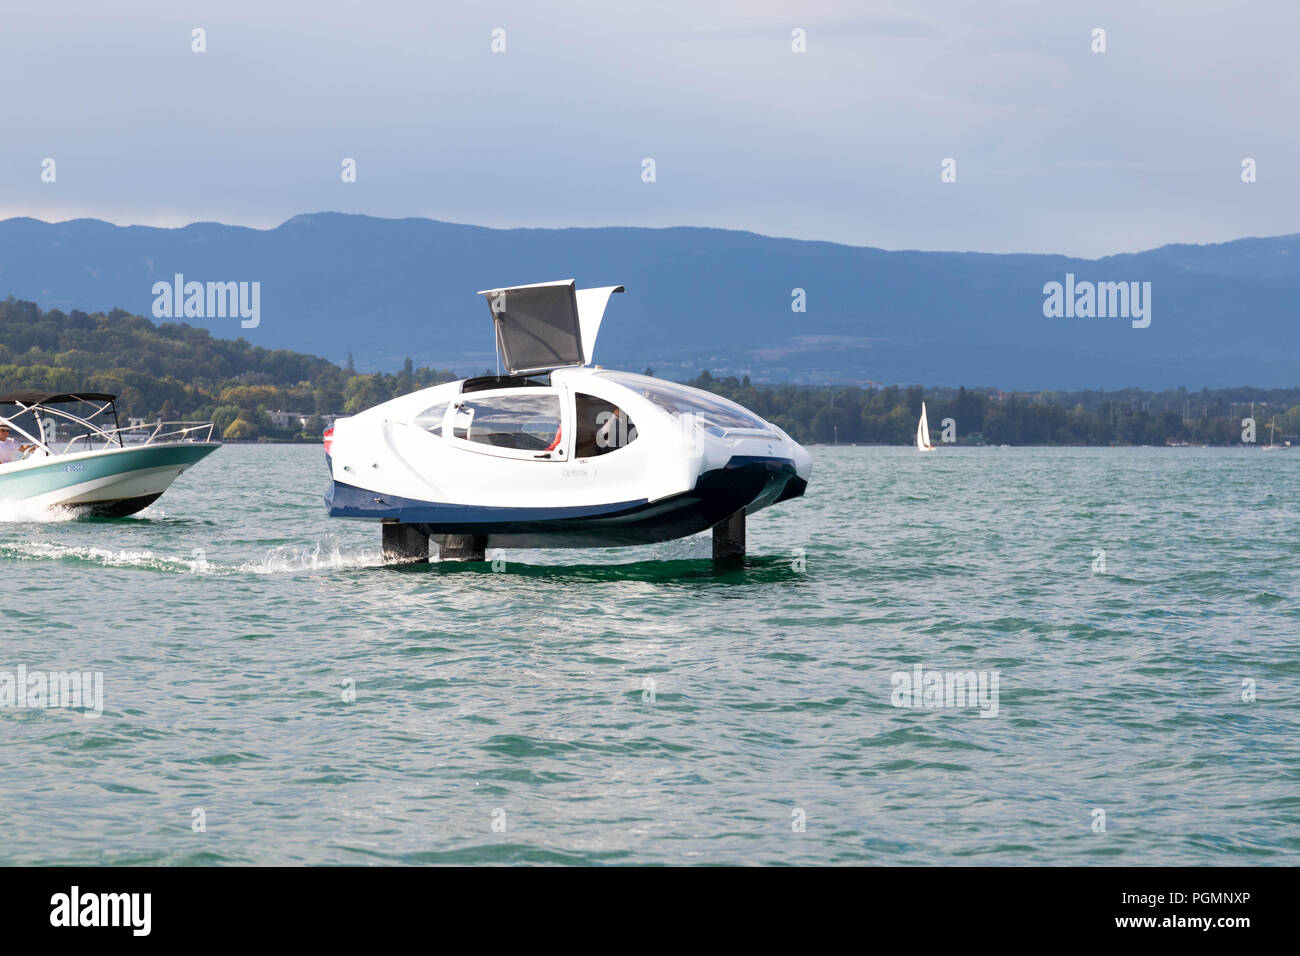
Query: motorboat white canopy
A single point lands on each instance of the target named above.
(41, 417)
(547, 325)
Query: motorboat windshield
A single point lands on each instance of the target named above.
(67, 422)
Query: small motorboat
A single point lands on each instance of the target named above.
(556, 452)
(66, 455)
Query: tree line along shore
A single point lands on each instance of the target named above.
(173, 371)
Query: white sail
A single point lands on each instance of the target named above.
(1272, 436)
(923, 433)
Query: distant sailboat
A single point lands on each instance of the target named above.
(1272, 437)
(923, 433)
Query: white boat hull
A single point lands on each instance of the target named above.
(675, 479)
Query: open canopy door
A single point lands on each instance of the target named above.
(546, 325)
(591, 309)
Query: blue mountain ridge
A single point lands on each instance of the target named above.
(382, 289)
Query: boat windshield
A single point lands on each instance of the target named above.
(52, 426)
(65, 423)
(519, 422)
(680, 400)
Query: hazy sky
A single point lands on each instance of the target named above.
(1058, 148)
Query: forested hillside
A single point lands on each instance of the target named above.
(175, 371)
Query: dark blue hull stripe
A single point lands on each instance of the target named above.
(348, 501)
(743, 483)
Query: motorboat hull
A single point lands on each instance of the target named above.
(112, 482)
(745, 483)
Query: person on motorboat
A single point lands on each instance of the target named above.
(10, 448)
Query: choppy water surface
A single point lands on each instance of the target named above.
(637, 706)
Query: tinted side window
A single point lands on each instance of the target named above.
(684, 400)
(602, 427)
(431, 418)
(520, 422)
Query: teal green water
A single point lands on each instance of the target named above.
(638, 706)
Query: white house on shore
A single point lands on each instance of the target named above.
(283, 419)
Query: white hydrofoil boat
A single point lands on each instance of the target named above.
(558, 452)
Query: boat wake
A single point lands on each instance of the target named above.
(104, 557)
(324, 555)
(24, 512)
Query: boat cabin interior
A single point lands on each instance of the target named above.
(529, 424)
